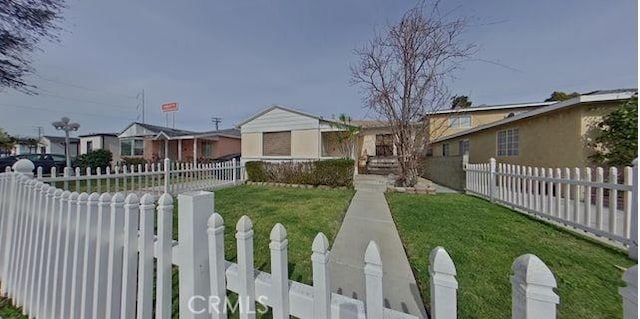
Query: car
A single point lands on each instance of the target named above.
(46, 161)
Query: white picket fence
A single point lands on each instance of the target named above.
(578, 198)
(168, 177)
(71, 255)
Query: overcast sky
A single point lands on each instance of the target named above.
(233, 58)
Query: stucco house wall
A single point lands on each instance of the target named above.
(555, 139)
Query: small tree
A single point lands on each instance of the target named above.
(95, 159)
(561, 96)
(403, 74)
(616, 143)
(346, 137)
(460, 102)
(6, 141)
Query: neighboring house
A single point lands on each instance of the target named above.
(557, 135)
(279, 133)
(446, 122)
(25, 145)
(153, 143)
(97, 141)
(56, 145)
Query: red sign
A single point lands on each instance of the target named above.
(170, 107)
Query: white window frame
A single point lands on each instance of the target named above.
(455, 121)
(461, 149)
(508, 142)
(446, 150)
(133, 152)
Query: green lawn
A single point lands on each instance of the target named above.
(303, 212)
(484, 239)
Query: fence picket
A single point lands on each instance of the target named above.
(47, 221)
(67, 257)
(217, 265)
(531, 274)
(321, 287)
(52, 236)
(164, 262)
(587, 197)
(130, 257)
(279, 271)
(373, 282)
(613, 201)
(78, 250)
(246, 291)
(145, 261)
(114, 259)
(599, 199)
(102, 249)
(444, 285)
(628, 180)
(89, 255)
(577, 211)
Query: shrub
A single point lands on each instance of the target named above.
(135, 161)
(95, 159)
(335, 172)
(256, 171)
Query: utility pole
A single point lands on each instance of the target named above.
(216, 121)
(141, 104)
(40, 131)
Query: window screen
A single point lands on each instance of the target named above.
(276, 143)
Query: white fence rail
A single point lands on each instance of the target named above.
(579, 198)
(168, 177)
(79, 255)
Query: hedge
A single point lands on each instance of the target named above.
(334, 172)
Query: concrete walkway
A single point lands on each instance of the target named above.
(369, 218)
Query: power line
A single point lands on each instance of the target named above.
(64, 111)
(216, 121)
(84, 87)
(86, 101)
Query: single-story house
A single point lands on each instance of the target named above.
(97, 141)
(557, 135)
(56, 145)
(153, 143)
(25, 145)
(279, 133)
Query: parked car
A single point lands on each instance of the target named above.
(46, 161)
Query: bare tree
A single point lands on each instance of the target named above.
(22, 24)
(403, 74)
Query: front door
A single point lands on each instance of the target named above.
(384, 144)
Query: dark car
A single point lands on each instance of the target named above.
(46, 161)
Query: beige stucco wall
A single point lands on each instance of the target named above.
(367, 141)
(439, 123)
(304, 144)
(553, 140)
(251, 145)
(226, 146)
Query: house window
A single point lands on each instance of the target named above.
(463, 146)
(89, 146)
(207, 149)
(508, 143)
(276, 144)
(460, 121)
(446, 150)
(132, 147)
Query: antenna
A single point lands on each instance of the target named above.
(216, 121)
(40, 131)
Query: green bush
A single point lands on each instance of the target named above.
(335, 172)
(135, 161)
(95, 159)
(256, 171)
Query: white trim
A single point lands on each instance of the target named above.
(495, 107)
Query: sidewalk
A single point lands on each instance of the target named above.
(369, 218)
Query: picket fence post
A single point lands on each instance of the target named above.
(492, 180)
(233, 165)
(444, 285)
(194, 211)
(630, 293)
(24, 167)
(633, 230)
(533, 284)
